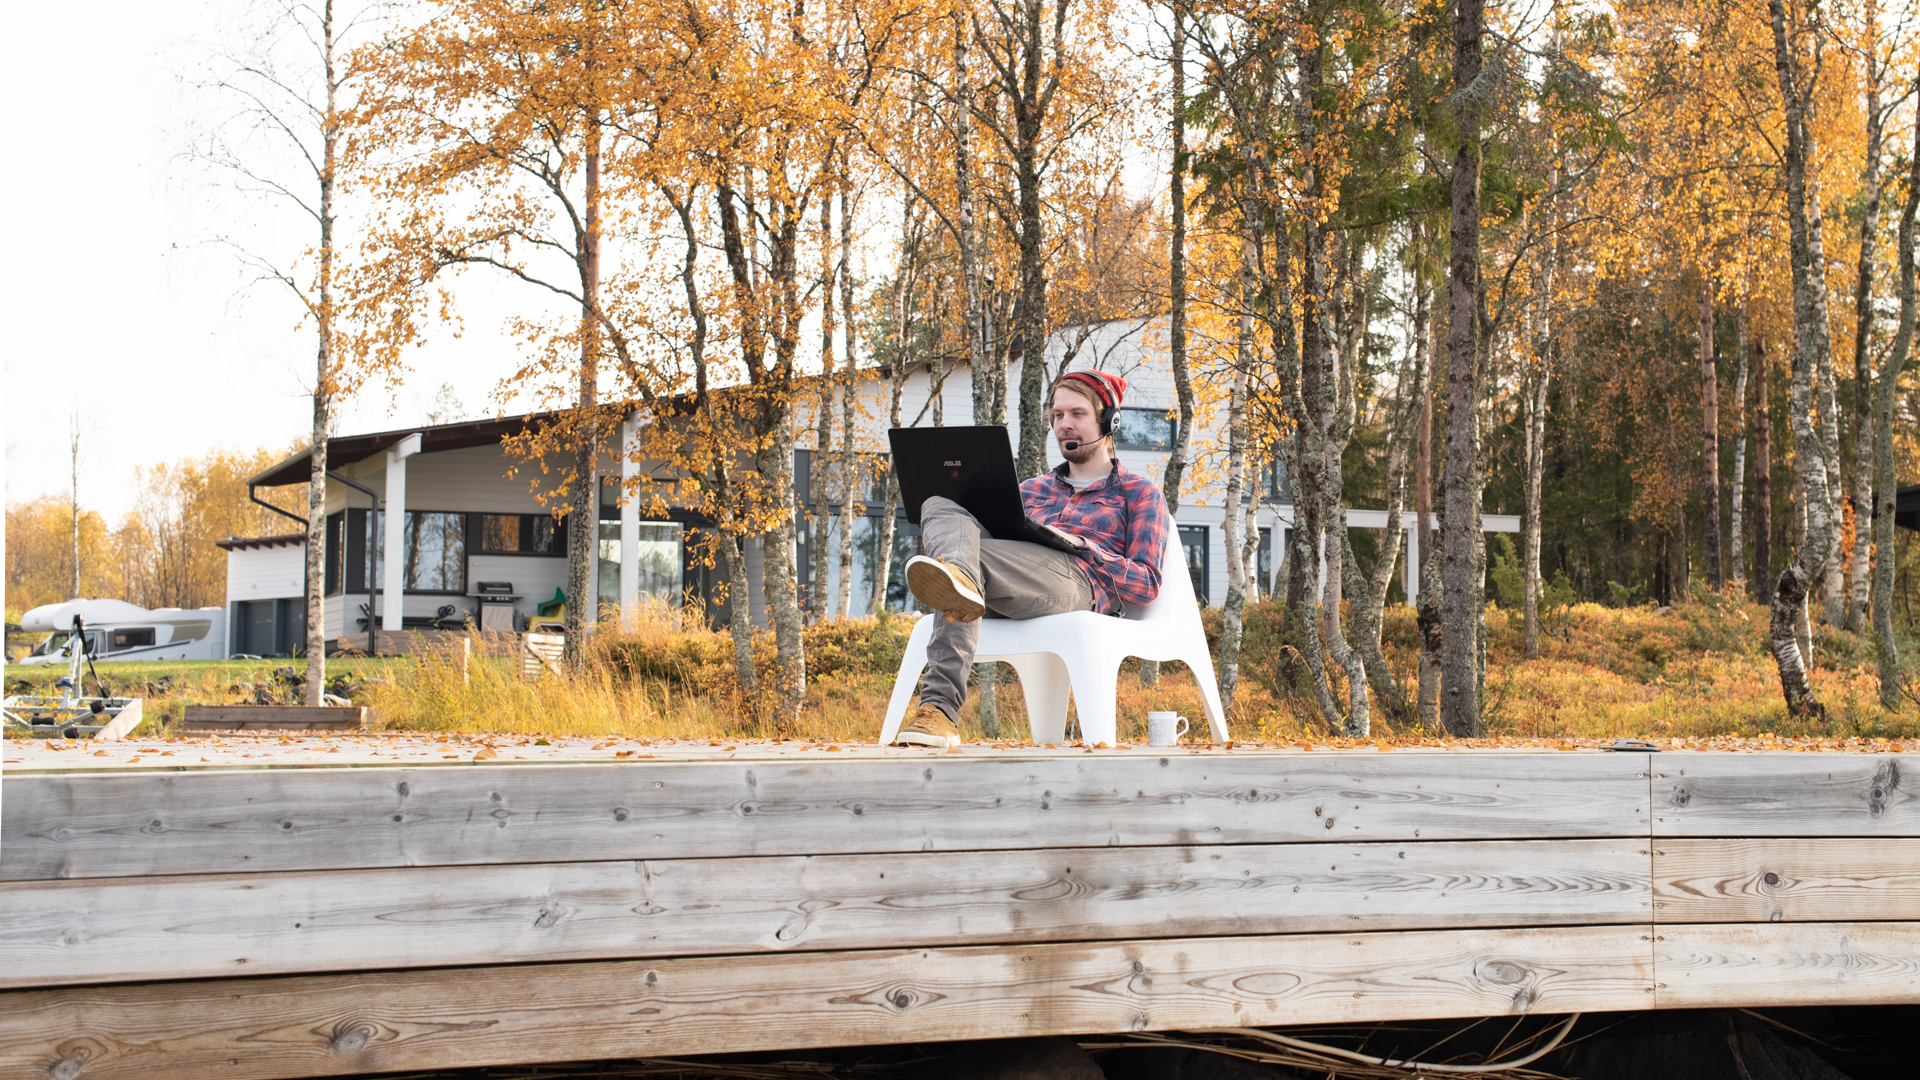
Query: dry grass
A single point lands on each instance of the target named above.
(1696, 672)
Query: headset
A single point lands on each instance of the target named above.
(1108, 415)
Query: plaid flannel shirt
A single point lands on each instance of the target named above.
(1124, 521)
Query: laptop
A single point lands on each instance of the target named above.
(973, 466)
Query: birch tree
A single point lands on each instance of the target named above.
(1886, 483)
(1812, 350)
(283, 144)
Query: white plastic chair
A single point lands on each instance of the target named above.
(1081, 651)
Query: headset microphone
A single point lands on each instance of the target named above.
(1070, 444)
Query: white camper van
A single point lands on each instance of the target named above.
(117, 630)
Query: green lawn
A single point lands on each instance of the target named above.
(131, 677)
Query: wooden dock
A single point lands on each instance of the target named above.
(296, 922)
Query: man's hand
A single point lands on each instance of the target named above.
(1077, 543)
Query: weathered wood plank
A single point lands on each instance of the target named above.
(1755, 964)
(274, 717)
(212, 926)
(122, 726)
(1829, 879)
(1787, 794)
(100, 825)
(339, 1024)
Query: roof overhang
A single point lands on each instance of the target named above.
(346, 449)
(249, 543)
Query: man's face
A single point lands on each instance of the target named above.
(1075, 419)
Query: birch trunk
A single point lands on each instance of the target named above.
(315, 556)
(1427, 617)
(1762, 477)
(977, 362)
(1888, 484)
(1370, 605)
(1460, 687)
(982, 380)
(1863, 397)
(909, 246)
(776, 465)
(1709, 438)
(849, 462)
(1538, 385)
(820, 471)
(1032, 80)
(1810, 345)
(726, 536)
(1335, 547)
(1833, 607)
(1737, 491)
(820, 464)
(1177, 297)
(584, 520)
(1232, 520)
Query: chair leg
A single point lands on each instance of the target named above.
(911, 666)
(1044, 682)
(1095, 690)
(1202, 665)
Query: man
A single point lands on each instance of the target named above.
(1117, 519)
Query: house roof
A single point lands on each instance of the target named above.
(248, 543)
(294, 469)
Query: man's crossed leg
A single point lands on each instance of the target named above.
(966, 573)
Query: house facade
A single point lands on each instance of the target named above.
(465, 530)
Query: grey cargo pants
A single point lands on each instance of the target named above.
(1018, 580)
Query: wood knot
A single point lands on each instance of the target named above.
(351, 1036)
(619, 813)
(1681, 796)
(1771, 878)
(72, 1060)
(1886, 780)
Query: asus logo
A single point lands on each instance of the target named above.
(951, 463)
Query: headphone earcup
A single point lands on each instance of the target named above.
(1107, 417)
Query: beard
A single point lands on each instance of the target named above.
(1083, 453)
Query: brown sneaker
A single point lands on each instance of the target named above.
(945, 589)
(927, 726)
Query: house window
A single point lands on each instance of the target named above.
(499, 532)
(1263, 563)
(1274, 479)
(436, 552)
(661, 564)
(521, 534)
(1144, 429)
(1193, 543)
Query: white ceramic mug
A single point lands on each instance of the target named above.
(1165, 728)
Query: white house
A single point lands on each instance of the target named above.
(474, 539)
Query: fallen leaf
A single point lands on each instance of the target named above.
(623, 753)
(486, 754)
(100, 753)
(730, 747)
(955, 750)
(832, 748)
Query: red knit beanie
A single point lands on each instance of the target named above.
(1109, 390)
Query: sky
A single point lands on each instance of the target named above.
(123, 318)
(117, 309)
